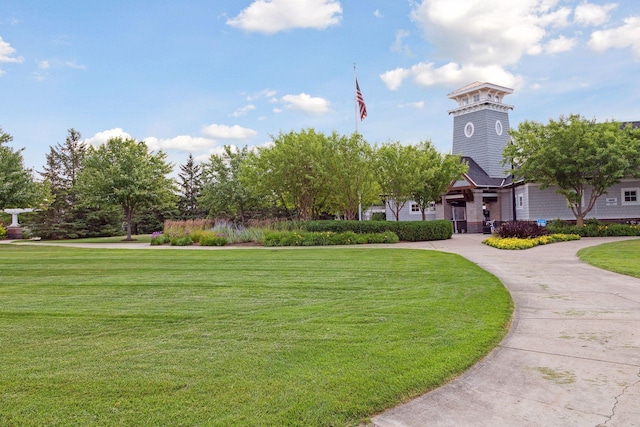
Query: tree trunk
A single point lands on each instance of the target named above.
(579, 220)
(128, 212)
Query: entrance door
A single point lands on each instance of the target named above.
(459, 217)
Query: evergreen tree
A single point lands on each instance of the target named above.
(64, 217)
(190, 190)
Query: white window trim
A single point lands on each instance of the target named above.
(468, 130)
(624, 202)
(519, 201)
(414, 212)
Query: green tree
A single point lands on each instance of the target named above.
(17, 186)
(190, 190)
(124, 173)
(224, 195)
(294, 172)
(575, 155)
(350, 177)
(436, 174)
(399, 173)
(64, 217)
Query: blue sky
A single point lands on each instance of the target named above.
(192, 76)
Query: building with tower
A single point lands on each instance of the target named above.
(486, 192)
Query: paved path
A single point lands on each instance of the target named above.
(571, 358)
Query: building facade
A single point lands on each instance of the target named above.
(486, 192)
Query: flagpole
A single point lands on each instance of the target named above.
(355, 96)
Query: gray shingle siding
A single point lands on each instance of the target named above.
(485, 145)
(550, 205)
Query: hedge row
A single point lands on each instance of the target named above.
(593, 229)
(411, 231)
(324, 238)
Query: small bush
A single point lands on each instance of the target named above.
(3, 232)
(212, 239)
(521, 230)
(158, 239)
(182, 241)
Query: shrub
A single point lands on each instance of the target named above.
(182, 241)
(594, 228)
(521, 230)
(212, 239)
(158, 239)
(3, 232)
(313, 238)
(412, 231)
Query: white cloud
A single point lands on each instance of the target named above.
(101, 138)
(426, 74)
(180, 142)
(482, 39)
(6, 53)
(593, 14)
(377, 14)
(74, 65)
(243, 110)
(560, 44)
(272, 16)
(306, 103)
(628, 35)
(417, 105)
(398, 45)
(44, 65)
(228, 132)
(265, 93)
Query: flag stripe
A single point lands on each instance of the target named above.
(361, 104)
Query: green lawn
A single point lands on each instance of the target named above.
(141, 238)
(294, 337)
(620, 257)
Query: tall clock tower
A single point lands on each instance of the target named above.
(481, 125)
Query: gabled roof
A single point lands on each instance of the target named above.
(479, 178)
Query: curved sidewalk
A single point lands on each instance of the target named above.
(571, 358)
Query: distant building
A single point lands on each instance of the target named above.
(485, 193)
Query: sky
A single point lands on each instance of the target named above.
(191, 76)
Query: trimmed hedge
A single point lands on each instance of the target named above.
(593, 228)
(324, 238)
(411, 231)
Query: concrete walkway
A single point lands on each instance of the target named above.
(571, 358)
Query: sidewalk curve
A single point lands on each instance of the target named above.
(571, 357)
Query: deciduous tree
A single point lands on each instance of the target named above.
(581, 157)
(124, 173)
(17, 186)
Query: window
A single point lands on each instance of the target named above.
(497, 98)
(465, 101)
(476, 98)
(630, 196)
(468, 130)
(415, 208)
(520, 201)
(498, 127)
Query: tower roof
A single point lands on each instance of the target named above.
(480, 95)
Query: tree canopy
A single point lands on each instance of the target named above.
(123, 172)
(17, 186)
(579, 156)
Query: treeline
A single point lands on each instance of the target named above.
(122, 186)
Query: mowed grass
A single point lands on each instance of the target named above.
(306, 337)
(621, 257)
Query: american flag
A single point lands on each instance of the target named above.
(361, 104)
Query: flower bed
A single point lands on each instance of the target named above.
(520, 243)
